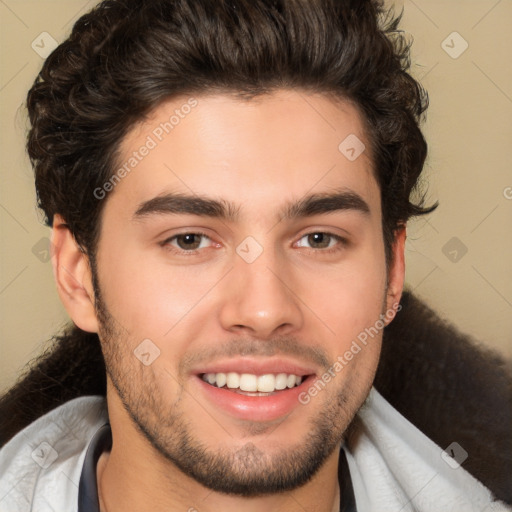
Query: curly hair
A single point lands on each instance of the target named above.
(125, 57)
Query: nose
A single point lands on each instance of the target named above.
(260, 300)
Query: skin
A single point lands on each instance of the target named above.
(297, 299)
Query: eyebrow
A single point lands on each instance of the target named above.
(185, 204)
(314, 204)
(317, 204)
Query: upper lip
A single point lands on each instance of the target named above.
(256, 366)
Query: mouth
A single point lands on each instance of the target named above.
(253, 389)
(250, 384)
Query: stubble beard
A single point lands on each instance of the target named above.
(246, 471)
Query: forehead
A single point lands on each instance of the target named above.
(267, 150)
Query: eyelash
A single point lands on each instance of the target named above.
(341, 244)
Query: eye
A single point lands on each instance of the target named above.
(189, 241)
(320, 240)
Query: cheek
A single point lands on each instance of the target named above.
(149, 297)
(348, 298)
(349, 302)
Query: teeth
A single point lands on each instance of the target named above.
(232, 380)
(248, 382)
(281, 381)
(267, 383)
(221, 379)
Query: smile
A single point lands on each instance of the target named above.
(251, 384)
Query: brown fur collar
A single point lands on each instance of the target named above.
(451, 389)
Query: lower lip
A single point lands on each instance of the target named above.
(254, 408)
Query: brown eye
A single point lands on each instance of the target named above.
(189, 241)
(319, 240)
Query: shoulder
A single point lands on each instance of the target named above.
(394, 466)
(451, 388)
(40, 467)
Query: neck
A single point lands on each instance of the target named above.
(127, 490)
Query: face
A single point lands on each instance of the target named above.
(240, 259)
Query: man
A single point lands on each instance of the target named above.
(228, 184)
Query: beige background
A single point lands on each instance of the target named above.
(469, 169)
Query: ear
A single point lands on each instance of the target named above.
(396, 272)
(73, 276)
